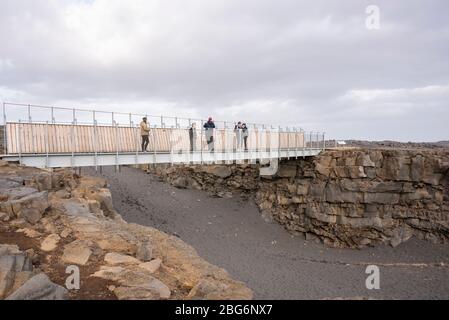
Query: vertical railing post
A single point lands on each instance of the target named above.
(324, 141)
(304, 143)
(72, 139)
(19, 142)
(95, 142)
(117, 147)
(311, 140)
(201, 142)
(296, 142)
(33, 137)
(170, 140)
(5, 148)
(153, 134)
(136, 137)
(279, 142)
(288, 143)
(46, 144)
(53, 120)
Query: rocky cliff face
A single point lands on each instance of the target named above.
(52, 220)
(345, 198)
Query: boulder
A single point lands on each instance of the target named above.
(144, 251)
(135, 283)
(15, 269)
(104, 197)
(4, 217)
(8, 183)
(364, 160)
(325, 171)
(78, 252)
(39, 287)
(210, 289)
(401, 235)
(31, 207)
(218, 171)
(287, 171)
(381, 198)
(18, 192)
(120, 259)
(180, 183)
(334, 194)
(151, 266)
(30, 233)
(43, 181)
(50, 243)
(108, 235)
(356, 172)
(4, 163)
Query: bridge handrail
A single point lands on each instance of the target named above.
(113, 115)
(77, 117)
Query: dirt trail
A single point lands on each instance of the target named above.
(231, 234)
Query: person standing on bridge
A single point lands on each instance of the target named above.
(238, 135)
(145, 133)
(209, 127)
(192, 136)
(245, 135)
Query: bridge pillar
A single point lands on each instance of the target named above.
(271, 170)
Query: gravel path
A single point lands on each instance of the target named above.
(231, 234)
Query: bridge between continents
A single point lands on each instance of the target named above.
(54, 137)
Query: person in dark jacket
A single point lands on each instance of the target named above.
(245, 135)
(192, 136)
(209, 127)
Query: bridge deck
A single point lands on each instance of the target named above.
(62, 145)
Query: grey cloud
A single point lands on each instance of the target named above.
(284, 61)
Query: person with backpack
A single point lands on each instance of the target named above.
(145, 134)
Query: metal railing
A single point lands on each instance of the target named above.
(172, 130)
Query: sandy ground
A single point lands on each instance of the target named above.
(276, 265)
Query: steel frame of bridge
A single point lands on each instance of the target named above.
(111, 159)
(313, 144)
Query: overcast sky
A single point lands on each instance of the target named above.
(314, 64)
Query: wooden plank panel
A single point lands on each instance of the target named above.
(23, 138)
(11, 136)
(104, 139)
(69, 139)
(40, 139)
(88, 139)
(109, 139)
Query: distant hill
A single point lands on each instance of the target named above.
(444, 144)
(396, 144)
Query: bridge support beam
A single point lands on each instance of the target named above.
(272, 169)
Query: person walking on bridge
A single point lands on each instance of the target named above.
(145, 133)
(209, 127)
